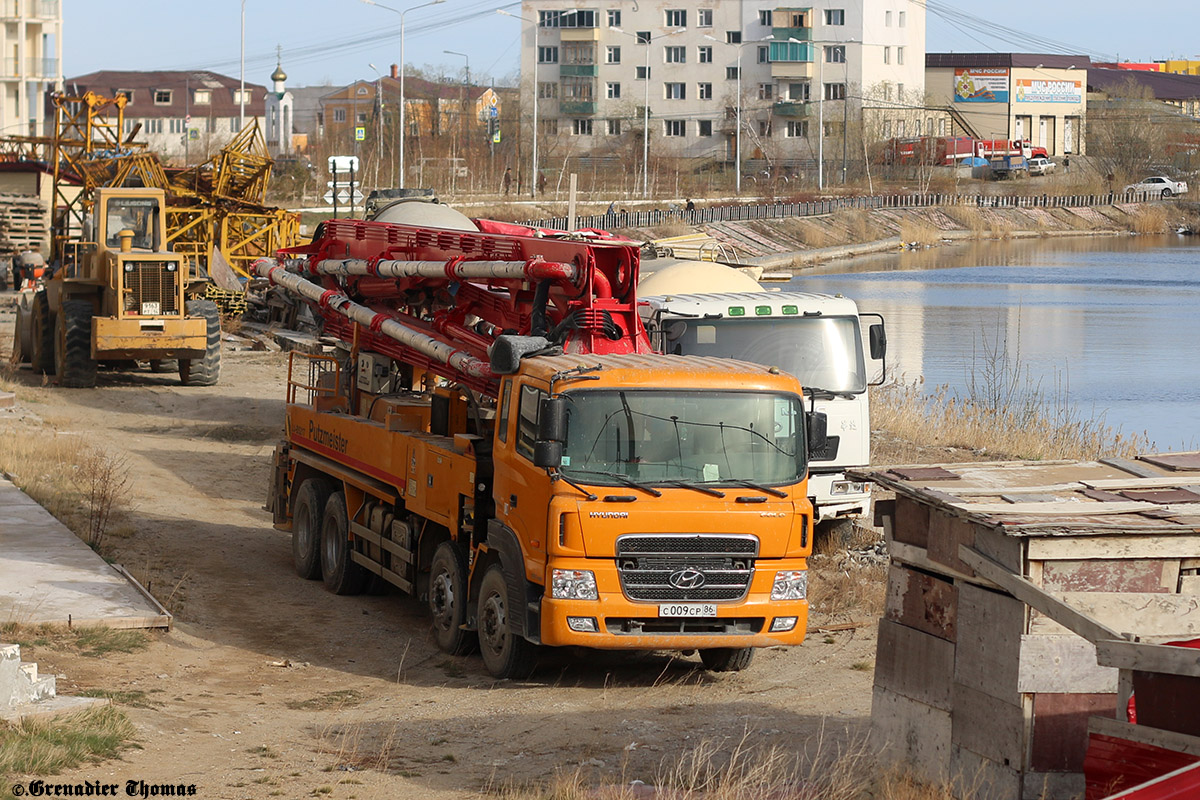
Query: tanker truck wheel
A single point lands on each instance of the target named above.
(340, 572)
(505, 654)
(727, 659)
(203, 371)
(448, 600)
(42, 348)
(306, 527)
(73, 360)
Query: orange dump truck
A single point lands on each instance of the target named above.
(496, 436)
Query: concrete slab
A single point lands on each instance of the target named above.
(63, 704)
(47, 575)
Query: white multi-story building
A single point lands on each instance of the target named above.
(597, 67)
(30, 61)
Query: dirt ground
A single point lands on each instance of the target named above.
(269, 686)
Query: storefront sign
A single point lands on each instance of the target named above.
(981, 85)
(1042, 91)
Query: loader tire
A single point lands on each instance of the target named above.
(164, 365)
(342, 575)
(727, 659)
(203, 371)
(73, 362)
(42, 348)
(448, 600)
(505, 654)
(306, 526)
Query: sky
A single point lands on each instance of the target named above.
(335, 41)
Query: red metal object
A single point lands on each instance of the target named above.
(1114, 765)
(1182, 784)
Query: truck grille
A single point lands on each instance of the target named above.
(652, 626)
(662, 568)
(151, 282)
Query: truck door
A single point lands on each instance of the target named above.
(522, 491)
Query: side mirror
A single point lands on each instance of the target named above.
(552, 420)
(818, 432)
(547, 454)
(878, 339)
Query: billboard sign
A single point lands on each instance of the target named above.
(1043, 91)
(981, 85)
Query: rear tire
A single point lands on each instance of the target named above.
(505, 654)
(164, 365)
(448, 600)
(727, 659)
(1166, 193)
(341, 574)
(203, 371)
(73, 362)
(306, 526)
(42, 349)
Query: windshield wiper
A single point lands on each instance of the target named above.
(690, 485)
(826, 394)
(624, 480)
(752, 485)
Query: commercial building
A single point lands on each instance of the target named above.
(30, 63)
(1181, 92)
(1039, 97)
(598, 68)
(182, 116)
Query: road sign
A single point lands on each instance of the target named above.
(496, 136)
(338, 164)
(193, 133)
(344, 197)
(494, 112)
(360, 134)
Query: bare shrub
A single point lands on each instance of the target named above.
(103, 481)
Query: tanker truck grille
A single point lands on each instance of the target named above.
(151, 285)
(687, 567)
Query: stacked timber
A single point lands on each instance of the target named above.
(22, 223)
(1003, 577)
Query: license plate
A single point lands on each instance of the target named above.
(688, 610)
(150, 309)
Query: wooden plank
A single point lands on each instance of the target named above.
(912, 732)
(1132, 467)
(1031, 595)
(1092, 575)
(1113, 547)
(988, 726)
(1169, 576)
(1167, 702)
(997, 491)
(1059, 738)
(912, 522)
(946, 534)
(914, 664)
(1066, 508)
(975, 777)
(1159, 482)
(1149, 657)
(987, 657)
(1189, 585)
(922, 601)
(1062, 664)
(1053, 786)
(1168, 740)
(1144, 614)
(915, 556)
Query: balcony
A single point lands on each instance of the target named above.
(577, 108)
(29, 9)
(579, 70)
(790, 109)
(783, 34)
(35, 68)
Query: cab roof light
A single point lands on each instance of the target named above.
(762, 311)
(737, 311)
(791, 310)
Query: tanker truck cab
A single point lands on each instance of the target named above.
(818, 338)
(675, 516)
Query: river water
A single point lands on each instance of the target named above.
(1110, 323)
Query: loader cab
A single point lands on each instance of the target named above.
(139, 211)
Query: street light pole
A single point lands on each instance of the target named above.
(536, 56)
(403, 132)
(242, 87)
(646, 105)
(737, 136)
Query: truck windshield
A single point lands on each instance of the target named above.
(823, 352)
(138, 214)
(653, 435)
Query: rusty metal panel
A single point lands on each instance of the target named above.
(1162, 496)
(925, 474)
(1060, 729)
(1117, 575)
(922, 600)
(1174, 461)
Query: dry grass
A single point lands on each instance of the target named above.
(50, 746)
(918, 231)
(968, 217)
(93, 642)
(854, 593)
(1149, 218)
(857, 222)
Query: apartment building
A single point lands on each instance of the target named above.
(598, 67)
(30, 62)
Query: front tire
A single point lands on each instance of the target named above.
(505, 654)
(727, 659)
(306, 526)
(164, 365)
(339, 571)
(42, 350)
(73, 360)
(1166, 193)
(206, 370)
(448, 600)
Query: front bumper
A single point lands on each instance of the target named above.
(152, 337)
(624, 624)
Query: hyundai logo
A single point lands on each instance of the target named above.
(687, 578)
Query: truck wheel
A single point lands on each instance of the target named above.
(73, 360)
(504, 654)
(203, 371)
(341, 574)
(42, 356)
(164, 365)
(448, 600)
(306, 527)
(727, 659)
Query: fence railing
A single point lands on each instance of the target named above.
(816, 208)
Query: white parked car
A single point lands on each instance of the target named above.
(1158, 186)
(1040, 165)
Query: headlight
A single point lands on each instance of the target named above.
(848, 487)
(791, 584)
(573, 584)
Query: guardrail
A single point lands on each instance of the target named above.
(816, 208)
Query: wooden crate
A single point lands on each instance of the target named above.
(1003, 577)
